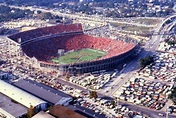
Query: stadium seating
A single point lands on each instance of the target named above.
(43, 43)
(47, 49)
(41, 32)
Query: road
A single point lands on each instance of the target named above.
(149, 49)
(95, 18)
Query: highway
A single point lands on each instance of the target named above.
(95, 18)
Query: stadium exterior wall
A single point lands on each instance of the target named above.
(85, 67)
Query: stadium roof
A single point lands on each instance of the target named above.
(40, 90)
(10, 107)
(19, 95)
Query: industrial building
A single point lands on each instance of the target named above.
(21, 96)
(41, 91)
(10, 109)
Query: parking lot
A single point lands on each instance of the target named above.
(163, 68)
(107, 108)
(144, 92)
(93, 81)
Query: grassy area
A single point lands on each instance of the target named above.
(79, 56)
(136, 28)
(117, 24)
(130, 27)
(148, 21)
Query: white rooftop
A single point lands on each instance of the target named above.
(19, 95)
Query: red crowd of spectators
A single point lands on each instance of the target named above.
(47, 49)
(112, 47)
(35, 33)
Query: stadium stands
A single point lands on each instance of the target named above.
(47, 49)
(44, 43)
(40, 32)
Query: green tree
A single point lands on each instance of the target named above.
(172, 96)
(146, 61)
(93, 94)
(45, 15)
(31, 111)
(113, 103)
(175, 79)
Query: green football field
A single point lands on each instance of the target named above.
(79, 56)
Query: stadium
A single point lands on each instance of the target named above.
(66, 48)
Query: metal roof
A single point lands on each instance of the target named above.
(11, 107)
(42, 91)
(19, 95)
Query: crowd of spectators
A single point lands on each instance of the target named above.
(48, 48)
(41, 32)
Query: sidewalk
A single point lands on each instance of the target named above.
(168, 103)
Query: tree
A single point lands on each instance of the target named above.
(175, 79)
(45, 15)
(146, 61)
(113, 103)
(93, 94)
(172, 96)
(171, 42)
(31, 111)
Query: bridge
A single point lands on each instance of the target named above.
(167, 19)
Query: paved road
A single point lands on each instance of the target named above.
(149, 49)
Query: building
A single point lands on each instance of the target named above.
(21, 96)
(3, 75)
(52, 96)
(11, 109)
(42, 91)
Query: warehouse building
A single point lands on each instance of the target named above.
(21, 96)
(11, 109)
(41, 91)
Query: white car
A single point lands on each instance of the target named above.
(160, 114)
